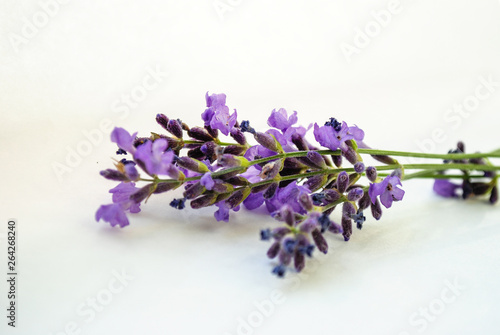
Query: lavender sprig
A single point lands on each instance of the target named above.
(297, 183)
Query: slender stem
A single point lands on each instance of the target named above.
(379, 152)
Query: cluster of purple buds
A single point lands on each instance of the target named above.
(298, 183)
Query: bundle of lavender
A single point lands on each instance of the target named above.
(299, 183)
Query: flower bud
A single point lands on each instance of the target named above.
(197, 153)
(346, 228)
(175, 128)
(305, 201)
(359, 167)
(316, 159)
(337, 160)
(364, 202)
(385, 159)
(342, 181)
(371, 173)
(320, 241)
(331, 195)
(194, 190)
(316, 182)
(284, 257)
(274, 249)
(287, 215)
(162, 120)
(237, 198)
(238, 181)
(142, 193)
(213, 132)
(222, 187)
(203, 201)
(267, 141)
(113, 175)
(234, 150)
(270, 170)
(376, 209)
(238, 136)
(299, 260)
(351, 155)
(335, 228)
(228, 160)
(355, 194)
(166, 186)
(300, 142)
(208, 149)
(200, 134)
(192, 164)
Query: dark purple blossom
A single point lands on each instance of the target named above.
(387, 190)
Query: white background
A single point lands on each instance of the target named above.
(192, 275)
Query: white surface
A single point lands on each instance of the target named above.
(192, 275)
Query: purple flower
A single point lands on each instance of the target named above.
(123, 139)
(114, 214)
(334, 137)
(207, 181)
(156, 159)
(445, 188)
(280, 119)
(287, 195)
(387, 190)
(223, 121)
(222, 214)
(121, 195)
(217, 113)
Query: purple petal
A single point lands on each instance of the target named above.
(357, 133)
(122, 192)
(113, 214)
(222, 214)
(207, 181)
(397, 193)
(326, 136)
(123, 139)
(253, 201)
(386, 199)
(215, 100)
(445, 188)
